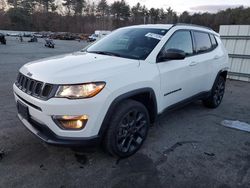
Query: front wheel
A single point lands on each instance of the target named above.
(217, 93)
(127, 129)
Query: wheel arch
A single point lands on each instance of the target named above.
(222, 73)
(146, 96)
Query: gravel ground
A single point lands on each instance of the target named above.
(185, 148)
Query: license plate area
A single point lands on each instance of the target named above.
(23, 110)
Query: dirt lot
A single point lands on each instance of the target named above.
(185, 148)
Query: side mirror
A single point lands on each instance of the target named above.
(171, 54)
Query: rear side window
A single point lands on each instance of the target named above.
(213, 40)
(202, 41)
(180, 40)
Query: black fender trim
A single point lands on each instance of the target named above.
(125, 96)
(220, 72)
(218, 75)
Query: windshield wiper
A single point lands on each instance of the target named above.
(105, 53)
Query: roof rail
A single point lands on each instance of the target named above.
(185, 24)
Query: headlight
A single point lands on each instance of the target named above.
(80, 91)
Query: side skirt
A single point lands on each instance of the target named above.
(184, 102)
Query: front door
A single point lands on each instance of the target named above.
(177, 76)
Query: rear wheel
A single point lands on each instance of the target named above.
(217, 94)
(128, 129)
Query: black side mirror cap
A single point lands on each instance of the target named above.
(171, 54)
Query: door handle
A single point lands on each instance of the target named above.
(193, 63)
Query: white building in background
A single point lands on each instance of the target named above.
(236, 39)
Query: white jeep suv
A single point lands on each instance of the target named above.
(112, 91)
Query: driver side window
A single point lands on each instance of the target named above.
(180, 40)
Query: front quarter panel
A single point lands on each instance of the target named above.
(144, 76)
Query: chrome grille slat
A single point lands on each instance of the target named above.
(33, 87)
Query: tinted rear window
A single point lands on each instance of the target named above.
(202, 41)
(213, 40)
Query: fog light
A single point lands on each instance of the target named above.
(71, 122)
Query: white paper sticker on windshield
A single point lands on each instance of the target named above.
(154, 35)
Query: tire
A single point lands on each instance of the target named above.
(217, 93)
(127, 130)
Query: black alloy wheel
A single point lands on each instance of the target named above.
(132, 131)
(127, 129)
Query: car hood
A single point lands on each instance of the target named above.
(78, 67)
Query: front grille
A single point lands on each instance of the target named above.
(35, 88)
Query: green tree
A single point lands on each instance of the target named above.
(120, 9)
(154, 15)
(90, 8)
(102, 13)
(78, 6)
(20, 18)
(121, 12)
(68, 4)
(48, 5)
(137, 13)
(15, 3)
(170, 16)
(26, 5)
(185, 17)
(103, 8)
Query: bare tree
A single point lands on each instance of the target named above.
(102, 12)
(86, 16)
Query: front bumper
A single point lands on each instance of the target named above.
(41, 123)
(45, 134)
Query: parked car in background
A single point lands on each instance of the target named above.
(38, 35)
(112, 91)
(49, 43)
(27, 34)
(33, 39)
(92, 38)
(2, 39)
(13, 34)
(98, 35)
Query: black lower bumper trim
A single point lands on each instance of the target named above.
(50, 137)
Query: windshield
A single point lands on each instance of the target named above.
(133, 43)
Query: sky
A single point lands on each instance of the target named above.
(179, 6)
(191, 5)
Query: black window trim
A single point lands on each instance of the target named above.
(212, 35)
(193, 43)
(210, 49)
(192, 39)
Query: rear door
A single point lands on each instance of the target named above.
(203, 64)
